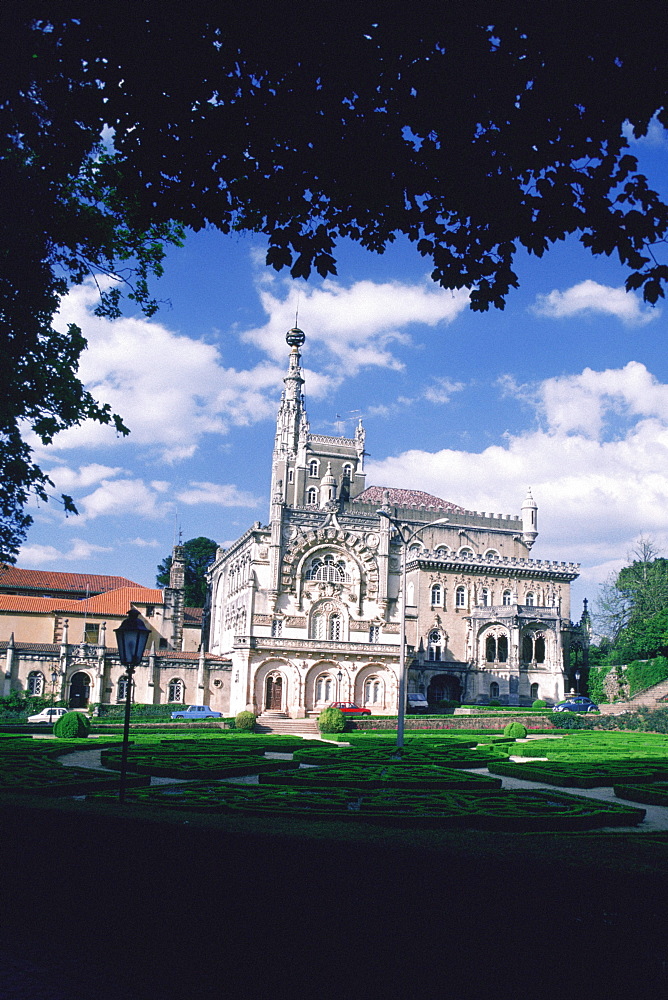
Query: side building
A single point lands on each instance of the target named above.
(308, 608)
(57, 639)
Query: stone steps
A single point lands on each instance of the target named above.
(653, 697)
(279, 723)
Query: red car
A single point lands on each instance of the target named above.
(350, 708)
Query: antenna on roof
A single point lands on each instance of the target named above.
(177, 528)
(297, 309)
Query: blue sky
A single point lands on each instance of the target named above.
(565, 391)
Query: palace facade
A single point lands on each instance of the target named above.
(307, 609)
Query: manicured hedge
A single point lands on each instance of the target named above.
(571, 774)
(368, 775)
(654, 794)
(488, 810)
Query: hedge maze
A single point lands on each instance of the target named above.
(445, 781)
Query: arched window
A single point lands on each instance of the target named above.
(534, 691)
(460, 597)
(507, 597)
(442, 551)
(373, 691)
(539, 649)
(324, 688)
(530, 599)
(466, 553)
(494, 690)
(490, 649)
(313, 468)
(312, 496)
(318, 626)
(436, 596)
(35, 683)
(348, 471)
(435, 648)
(502, 647)
(328, 623)
(122, 688)
(414, 551)
(527, 649)
(491, 554)
(485, 597)
(327, 569)
(334, 627)
(176, 690)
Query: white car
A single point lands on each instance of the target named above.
(48, 715)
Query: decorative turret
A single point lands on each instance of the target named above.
(327, 487)
(291, 423)
(529, 520)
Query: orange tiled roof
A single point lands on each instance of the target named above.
(38, 579)
(114, 602)
(406, 498)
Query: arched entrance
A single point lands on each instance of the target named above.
(273, 698)
(444, 687)
(79, 690)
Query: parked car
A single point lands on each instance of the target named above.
(579, 703)
(417, 702)
(196, 712)
(350, 708)
(48, 715)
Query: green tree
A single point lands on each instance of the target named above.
(476, 130)
(633, 606)
(199, 554)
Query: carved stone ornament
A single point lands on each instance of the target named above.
(372, 540)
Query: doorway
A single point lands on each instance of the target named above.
(79, 690)
(274, 693)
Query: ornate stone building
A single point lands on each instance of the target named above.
(307, 608)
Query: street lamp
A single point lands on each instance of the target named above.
(131, 638)
(577, 681)
(406, 535)
(54, 678)
(339, 678)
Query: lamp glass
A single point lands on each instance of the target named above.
(131, 637)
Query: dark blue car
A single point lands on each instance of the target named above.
(579, 703)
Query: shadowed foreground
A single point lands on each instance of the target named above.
(136, 907)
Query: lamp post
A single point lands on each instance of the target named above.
(131, 638)
(339, 678)
(577, 681)
(54, 678)
(406, 535)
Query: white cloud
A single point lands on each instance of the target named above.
(587, 403)
(40, 555)
(355, 326)
(595, 495)
(144, 543)
(216, 493)
(170, 389)
(441, 390)
(115, 497)
(589, 297)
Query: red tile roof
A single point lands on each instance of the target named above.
(193, 614)
(405, 498)
(115, 602)
(36, 579)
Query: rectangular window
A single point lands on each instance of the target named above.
(277, 628)
(91, 633)
(374, 633)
